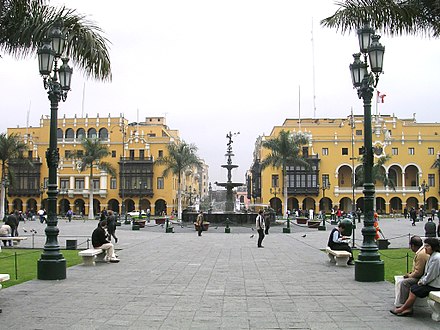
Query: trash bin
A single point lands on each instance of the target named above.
(71, 244)
(382, 244)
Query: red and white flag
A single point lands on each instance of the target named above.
(380, 97)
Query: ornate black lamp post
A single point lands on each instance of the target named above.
(52, 265)
(424, 188)
(325, 186)
(368, 267)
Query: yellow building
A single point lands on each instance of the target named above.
(335, 149)
(133, 148)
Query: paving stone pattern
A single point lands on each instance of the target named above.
(216, 281)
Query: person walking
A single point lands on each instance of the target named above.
(199, 223)
(405, 213)
(259, 224)
(413, 215)
(266, 217)
(359, 213)
(111, 226)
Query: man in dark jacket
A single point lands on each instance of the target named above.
(99, 241)
(12, 221)
(111, 226)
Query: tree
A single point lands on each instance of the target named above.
(285, 150)
(89, 158)
(395, 17)
(378, 174)
(11, 147)
(24, 24)
(181, 157)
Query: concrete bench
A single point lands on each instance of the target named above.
(15, 239)
(3, 278)
(89, 256)
(434, 303)
(338, 257)
(420, 302)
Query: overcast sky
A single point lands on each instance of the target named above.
(212, 67)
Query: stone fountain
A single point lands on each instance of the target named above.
(228, 215)
(229, 185)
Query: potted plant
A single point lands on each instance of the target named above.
(301, 220)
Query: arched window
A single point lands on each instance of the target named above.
(103, 134)
(91, 134)
(69, 134)
(59, 134)
(80, 134)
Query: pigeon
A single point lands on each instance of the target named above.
(304, 235)
(216, 227)
(24, 229)
(161, 225)
(252, 228)
(252, 236)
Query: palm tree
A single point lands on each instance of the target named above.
(92, 156)
(391, 16)
(181, 157)
(11, 147)
(378, 173)
(285, 150)
(24, 25)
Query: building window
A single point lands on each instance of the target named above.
(113, 183)
(411, 151)
(141, 154)
(361, 151)
(160, 154)
(358, 132)
(394, 151)
(113, 153)
(30, 154)
(79, 184)
(275, 180)
(95, 184)
(345, 151)
(67, 154)
(430, 151)
(325, 180)
(160, 183)
(131, 152)
(431, 180)
(64, 184)
(325, 151)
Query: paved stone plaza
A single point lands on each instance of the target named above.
(217, 281)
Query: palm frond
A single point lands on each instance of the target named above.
(24, 24)
(412, 17)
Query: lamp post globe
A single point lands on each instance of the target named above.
(368, 267)
(52, 265)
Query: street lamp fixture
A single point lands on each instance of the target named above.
(368, 267)
(424, 188)
(52, 265)
(325, 186)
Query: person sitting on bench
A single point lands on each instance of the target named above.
(430, 281)
(336, 241)
(99, 241)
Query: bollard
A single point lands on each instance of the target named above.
(227, 229)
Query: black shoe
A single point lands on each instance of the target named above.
(116, 240)
(350, 263)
